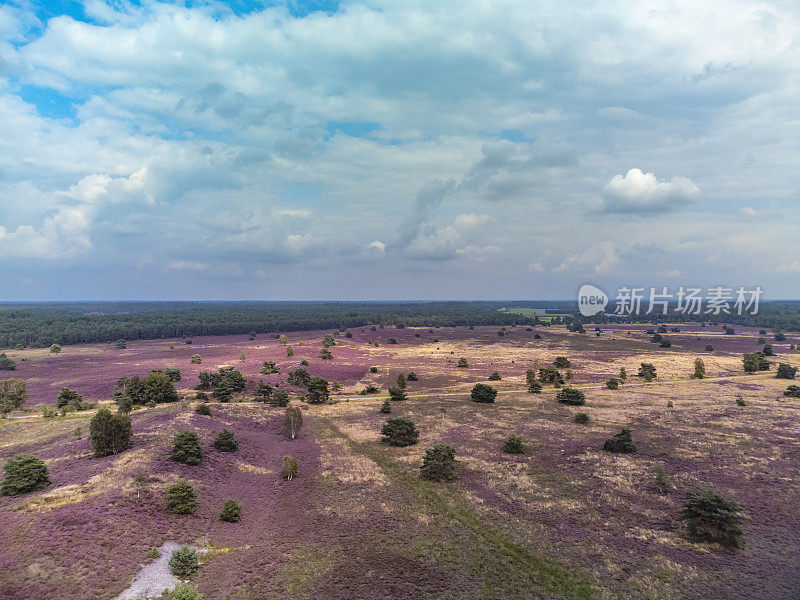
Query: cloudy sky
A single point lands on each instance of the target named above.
(396, 150)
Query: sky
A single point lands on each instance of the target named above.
(397, 150)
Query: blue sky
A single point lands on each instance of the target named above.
(267, 150)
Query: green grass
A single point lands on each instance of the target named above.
(536, 312)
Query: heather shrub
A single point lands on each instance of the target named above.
(786, 371)
(226, 442)
(6, 364)
(581, 418)
(621, 443)
(292, 421)
(186, 448)
(195, 360)
(203, 409)
(397, 394)
(712, 518)
(289, 468)
(514, 445)
(386, 408)
(483, 393)
(612, 384)
(571, 396)
(110, 432)
(183, 562)
(185, 591)
(793, 391)
(231, 511)
(400, 431)
(13, 394)
(181, 497)
(462, 363)
(24, 473)
(439, 463)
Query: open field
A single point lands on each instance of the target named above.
(562, 520)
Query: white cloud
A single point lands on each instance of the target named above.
(642, 193)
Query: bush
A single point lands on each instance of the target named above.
(55, 349)
(621, 443)
(185, 591)
(699, 369)
(755, 361)
(183, 562)
(712, 518)
(386, 408)
(397, 394)
(195, 360)
(709, 348)
(740, 400)
(462, 363)
(226, 442)
(612, 384)
(292, 421)
(400, 431)
(203, 409)
(514, 445)
(325, 354)
(67, 396)
(231, 511)
(289, 468)
(648, 371)
(786, 371)
(793, 391)
(401, 381)
(412, 376)
(571, 396)
(550, 374)
(663, 481)
(373, 369)
(110, 432)
(623, 374)
(280, 398)
(181, 497)
(439, 463)
(494, 376)
(13, 394)
(24, 473)
(581, 418)
(561, 362)
(370, 389)
(534, 387)
(186, 448)
(6, 364)
(483, 393)
(173, 374)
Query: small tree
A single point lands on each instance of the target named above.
(562, 362)
(181, 497)
(289, 351)
(203, 409)
(186, 448)
(623, 374)
(648, 371)
(318, 392)
(280, 398)
(13, 394)
(269, 367)
(712, 518)
(483, 393)
(373, 369)
(412, 376)
(581, 418)
(226, 441)
(621, 443)
(612, 384)
(55, 349)
(68, 397)
(494, 376)
(462, 363)
(325, 354)
(439, 463)
(571, 396)
(400, 431)
(110, 432)
(550, 374)
(121, 344)
(299, 377)
(196, 360)
(283, 340)
(289, 468)
(534, 387)
(6, 364)
(786, 371)
(24, 473)
(231, 511)
(397, 394)
(140, 479)
(699, 369)
(386, 407)
(183, 562)
(793, 391)
(292, 421)
(514, 445)
(401, 381)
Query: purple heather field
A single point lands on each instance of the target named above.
(562, 520)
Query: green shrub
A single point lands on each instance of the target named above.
(231, 511)
(225, 441)
(612, 384)
(401, 381)
(318, 391)
(195, 360)
(663, 481)
(55, 349)
(412, 376)
(494, 376)
(292, 421)
(13, 394)
(483, 393)
(571, 396)
(562, 362)
(110, 432)
(400, 431)
(370, 389)
(159, 388)
(173, 374)
(648, 371)
(289, 468)
(67, 396)
(740, 400)
(121, 344)
(621, 443)
(709, 348)
(181, 497)
(550, 374)
(373, 369)
(397, 394)
(581, 418)
(786, 371)
(154, 553)
(185, 591)
(712, 518)
(439, 463)
(699, 369)
(514, 445)
(186, 448)
(793, 391)
(183, 562)
(6, 364)
(623, 374)
(279, 398)
(534, 387)
(386, 407)
(203, 409)
(462, 363)
(24, 473)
